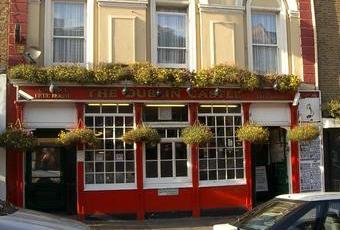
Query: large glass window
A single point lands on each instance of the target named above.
(265, 45)
(113, 161)
(68, 32)
(222, 159)
(172, 37)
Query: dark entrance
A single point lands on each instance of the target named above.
(332, 159)
(51, 179)
(269, 166)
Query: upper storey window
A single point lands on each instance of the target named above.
(172, 38)
(264, 41)
(68, 33)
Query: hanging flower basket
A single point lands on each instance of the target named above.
(304, 132)
(17, 138)
(333, 107)
(140, 134)
(253, 133)
(78, 136)
(196, 134)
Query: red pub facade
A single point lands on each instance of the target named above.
(141, 180)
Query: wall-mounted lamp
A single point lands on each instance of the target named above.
(158, 93)
(216, 91)
(276, 85)
(189, 90)
(52, 88)
(125, 90)
(32, 54)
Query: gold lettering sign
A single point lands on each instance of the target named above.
(45, 94)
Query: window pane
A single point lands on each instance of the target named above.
(68, 19)
(166, 151)
(181, 168)
(172, 56)
(181, 151)
(171, 30)
(151, 152)
(264, 28)
(166, 169)
(265, 59)
(68, 50)
(151, 169)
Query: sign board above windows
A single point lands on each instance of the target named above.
(270, 114)
(47, 115)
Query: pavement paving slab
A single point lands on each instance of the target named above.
(203, 223)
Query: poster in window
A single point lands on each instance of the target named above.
(261, 179)
(165, 114)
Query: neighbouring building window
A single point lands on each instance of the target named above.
(172, 38)
(113, 161)
(167, 163)
(68, 32)
(222, 159)
(264, 41)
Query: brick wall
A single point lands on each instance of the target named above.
(307, 41)
(328, 36)
(17, 16)
(4, 11)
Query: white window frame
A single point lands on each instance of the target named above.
(116, 186)
(191, 60)
(49, 27)
(174, 65)
(270, 45)
(226, 182)
(168, 182)
(281, 34)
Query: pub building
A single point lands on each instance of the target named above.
(169, 178)
(138, 180)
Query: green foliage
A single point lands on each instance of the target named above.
(253, 133)
(333, 107)
(78, 136)
(140, 134)
(196, 134)
(304, 132)
(148, 74)
(17, 138)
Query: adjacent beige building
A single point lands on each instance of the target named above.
(208, 33)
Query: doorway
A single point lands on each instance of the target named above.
(269, 166)
(332, 159)
(51, 179)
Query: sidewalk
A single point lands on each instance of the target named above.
(203, 223)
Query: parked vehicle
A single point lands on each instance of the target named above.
(310, 211)
(12, 218)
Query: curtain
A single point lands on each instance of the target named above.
(171, 38)
(264, 37)
(68, 32)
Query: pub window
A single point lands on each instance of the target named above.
(167, 163)
(113, 161)
(222, 159)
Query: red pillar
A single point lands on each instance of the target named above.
(247, 152)
(193, 110)
(294, 152)
(14, 164)
(80, 166)
(139, 165)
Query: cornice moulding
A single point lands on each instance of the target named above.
(123, 3)
(219, 8)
